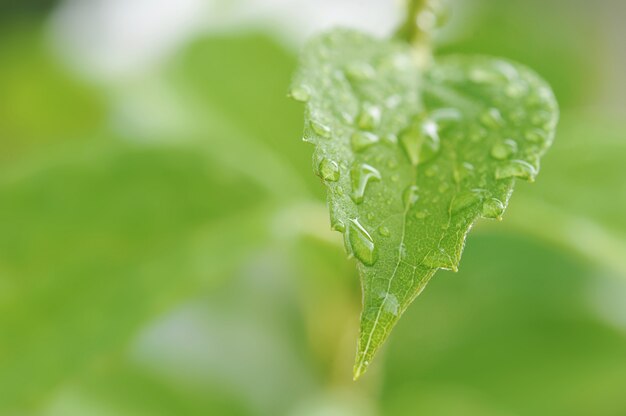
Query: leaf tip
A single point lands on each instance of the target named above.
(358, 371)
(360, 367)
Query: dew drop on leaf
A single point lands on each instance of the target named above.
(361, 243)
(515, 90)
(420, 142)
(403, 251)
(493, 208)
(362, 175)
(540, 118)
(463, 171)
(516, 169)
(431, 172)
(321, 129)
(535, 136)
(503, 150)
(361, 140)
(369, 117)
(410, 196)
(384, 231)
(446, 115)
(492, 118)
(465, 200)
(390, 303)
(300, 93)
(360, 72)
(329, 170)
(483, 76)
(337, 225)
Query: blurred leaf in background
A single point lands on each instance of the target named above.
(164, 250)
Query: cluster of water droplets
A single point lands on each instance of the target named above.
(420, 141)
(515, 131)
(530, 119)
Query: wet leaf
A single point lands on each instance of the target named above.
(412, 157)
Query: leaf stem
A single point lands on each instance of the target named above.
(413, 32)
(409, 29)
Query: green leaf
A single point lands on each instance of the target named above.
(412, 158)
(102, 238)
(42, 104)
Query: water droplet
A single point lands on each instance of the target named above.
(420, 215)
(361, 243)
(410, 196)
(483, 76)
(493, 208)
(338, 225)
(347, 117)
(320, 129)
(371, 217)
(503, 150)
(301, 93)
(390, 138)
(515, 90)
(392, 164)
(517, 169)
(465, 200)
(403, 251)
(540, 118)
(369, 118)
(384, 231)
(420, 142)
(361, 176)
(443, 187)
(431, 171)
(329, 170)
(463, 171)
(535, 136)
(361, 140)
(395, 178)
(440, 258)
(390, 303)
(360, 72)
(446, 114)
(507, 70)
(492, 118)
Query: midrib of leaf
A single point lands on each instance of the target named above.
(361, 364)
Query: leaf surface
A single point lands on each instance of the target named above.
(412, 157)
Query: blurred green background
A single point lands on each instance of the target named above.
(165, 248)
